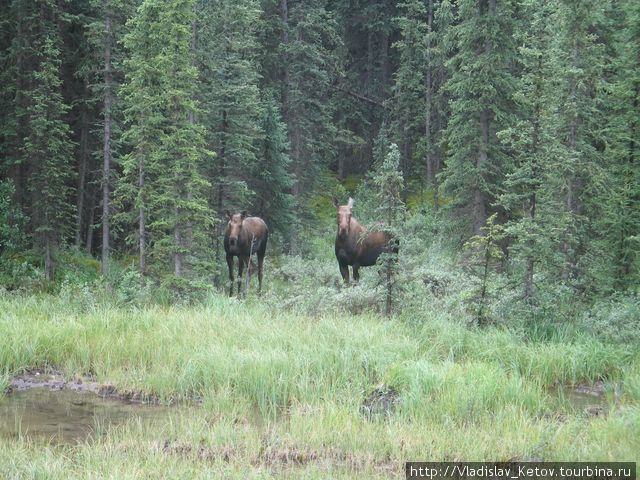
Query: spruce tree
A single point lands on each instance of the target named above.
(163, 174)
(226, 52)
(308, 44)
(104, 76)
(47, 145)
(620, 222)
(271, 179)
(419, 107)
(526, 196)
(480, 86)
(486, 250)
(389, 184)
(580, 61)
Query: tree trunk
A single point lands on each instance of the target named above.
(82, 173)
(428, 107)
(90, 224)
(368, 153)
(284, 87)
(531, 211)
(48, 256)
(177, 243)
(141, 219)
(385, 65)
(436, 167)
(296, 190)
(106, 152)
(187, 236)
(406, 153)
(221, 174)
(479, 196)
(573, 185)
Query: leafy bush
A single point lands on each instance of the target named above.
(20, 271)
(616, 319)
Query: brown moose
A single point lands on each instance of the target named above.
(354, 245)
(243, 237)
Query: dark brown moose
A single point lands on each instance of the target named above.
(354, 245)
(243, 237)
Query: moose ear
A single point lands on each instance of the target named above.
(350, 202)
(227, 213)
(243, 214)
(336, 203)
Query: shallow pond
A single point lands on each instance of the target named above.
(589, 400)
(67, 416)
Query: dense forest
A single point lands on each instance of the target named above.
(130, 126)
(495, 143)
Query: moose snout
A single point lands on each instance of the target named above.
(233, 241)
(342, 232)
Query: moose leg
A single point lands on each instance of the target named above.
(230, 265)
(344, 271)
(241, 262)
(356, 272)
(260, 264)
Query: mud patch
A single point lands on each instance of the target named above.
(54, 381)
(280, 456)
(380, 402)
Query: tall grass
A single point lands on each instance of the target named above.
(281, 391)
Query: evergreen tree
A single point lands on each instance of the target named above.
(526, 196)
(47, 146)
(309, 40)
(419, 106)
(227, 51)
(481, 86)
(389, 183)
(486, 249)
(104, 32)
(271, 179)
(163, 173)
(620, 221)
(580, 62)
(364, 79)
(12, 76)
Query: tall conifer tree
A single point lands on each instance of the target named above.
(47, 145)
(480, 86)
(164, 169)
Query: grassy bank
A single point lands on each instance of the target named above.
(282, 392)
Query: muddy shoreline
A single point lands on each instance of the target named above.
(54, 380)
(586, 397)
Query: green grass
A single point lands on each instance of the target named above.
(281, 392)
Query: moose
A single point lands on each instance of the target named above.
(354, 245)
(243, 237)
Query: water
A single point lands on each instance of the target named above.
(67, 416)
(591, 401)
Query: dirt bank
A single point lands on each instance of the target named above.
(54, 380)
